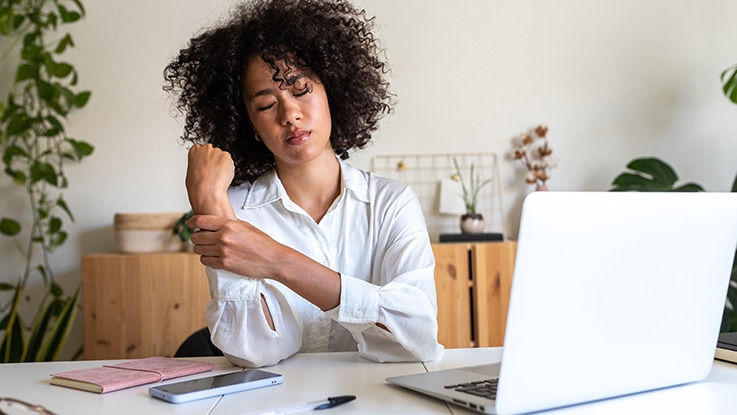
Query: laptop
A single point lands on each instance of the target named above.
(613, 293)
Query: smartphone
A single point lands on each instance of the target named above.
(190, 390)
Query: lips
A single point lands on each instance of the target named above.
(298, 137)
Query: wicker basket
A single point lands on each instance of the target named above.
(137, 233)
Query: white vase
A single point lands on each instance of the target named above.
(472, 223)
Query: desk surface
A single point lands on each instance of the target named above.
(314, 376)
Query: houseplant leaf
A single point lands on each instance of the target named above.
(9, 227)
(9, 341)
(661, 172)
(63, 326)
(38, 331)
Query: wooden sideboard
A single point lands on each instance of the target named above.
(473, 282)
(140, 305)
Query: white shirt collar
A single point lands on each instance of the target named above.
(268, 188)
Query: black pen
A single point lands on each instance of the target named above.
(314, 405)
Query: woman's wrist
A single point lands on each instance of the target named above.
(286, 261)
(217, 204)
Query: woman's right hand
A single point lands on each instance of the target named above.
(209, 174)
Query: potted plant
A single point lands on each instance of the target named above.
(35, 148)
(471, 221)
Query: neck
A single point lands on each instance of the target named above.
(311, 184)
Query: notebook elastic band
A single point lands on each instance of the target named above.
(139, 370)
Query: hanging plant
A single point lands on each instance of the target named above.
(35, 150)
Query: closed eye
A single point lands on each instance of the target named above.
(266, 107)
(302, 93)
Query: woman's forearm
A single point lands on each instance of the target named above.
(313, 281)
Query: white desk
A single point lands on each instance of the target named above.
(319, 375)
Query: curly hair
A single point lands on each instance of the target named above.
(331, 39)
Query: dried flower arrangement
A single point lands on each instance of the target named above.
(534, 152)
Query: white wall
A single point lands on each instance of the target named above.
(612, 80)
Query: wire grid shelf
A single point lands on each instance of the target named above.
(423, 172)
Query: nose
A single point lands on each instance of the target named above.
(290, 112)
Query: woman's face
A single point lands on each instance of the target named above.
(294, 123)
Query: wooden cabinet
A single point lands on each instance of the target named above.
(473, 282)
(141, 305)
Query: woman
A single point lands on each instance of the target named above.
(303, 252)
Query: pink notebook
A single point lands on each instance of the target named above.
(110, 378)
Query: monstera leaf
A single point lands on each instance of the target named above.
(651, 175)
(729, 83)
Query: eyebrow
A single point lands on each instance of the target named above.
(267, 91)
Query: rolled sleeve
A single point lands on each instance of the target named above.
(359, 302)
(405, 304)
(238, 325)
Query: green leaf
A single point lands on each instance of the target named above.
(55, 124)
(64, 42)
(13, 151)
(42, 271)
(56, 290)
(38, 332)
(4, 286)
(63, 325)
(81, 99)
(734, 185)
(32, 53)
(29, 38)
(661, 172)
(62, 204)
(18, 176)
(9, 339)
(729, 87)
(689, 187)
(61, 70)
(16, 342)
(18, 124)
(26, 71)
(81, 10)
(54, 224)
(67, 93)
(81, 148)
(45, 171)
(631, 179)
(67, 16)
(18, 20)
(60, 238)
(52, 20)
(9, 227)
(45, 90)
(54, 105)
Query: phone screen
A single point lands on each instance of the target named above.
(218, 381)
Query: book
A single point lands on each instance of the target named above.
(470, 237)
(108, 378)
(727, 347)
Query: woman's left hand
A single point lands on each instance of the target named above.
(236, 246)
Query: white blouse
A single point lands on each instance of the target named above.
(374, 235)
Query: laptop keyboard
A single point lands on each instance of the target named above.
(483, 388)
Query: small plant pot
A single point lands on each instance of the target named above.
(472, 223)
